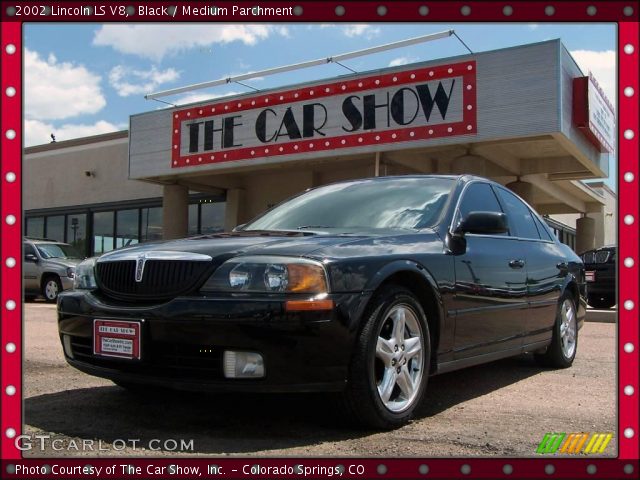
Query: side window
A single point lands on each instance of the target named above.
(520, 217)
(478, 197)
(543, 230)
(28, 249)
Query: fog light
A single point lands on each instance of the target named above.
(243, 364)
(66, 343)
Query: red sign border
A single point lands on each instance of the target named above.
(626, 464)
(468, 125)
(137, 338)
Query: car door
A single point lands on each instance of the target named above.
(490, 289)
(546, 267)
(30, 269)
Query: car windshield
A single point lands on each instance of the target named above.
(56, 250)
(395, 203)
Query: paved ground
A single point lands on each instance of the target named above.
(503, 408)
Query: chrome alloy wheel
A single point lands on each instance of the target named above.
(51, 289)
(399, 359)
(568, 328)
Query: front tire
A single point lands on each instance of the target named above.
(564, 343)
(390, 365)
(51, 287)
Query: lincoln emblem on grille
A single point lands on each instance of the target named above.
(140, 261)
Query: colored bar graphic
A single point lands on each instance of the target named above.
(572, 443)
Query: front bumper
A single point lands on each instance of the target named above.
(67, 283)
(183, 340)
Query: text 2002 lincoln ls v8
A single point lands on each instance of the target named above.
(364, 287)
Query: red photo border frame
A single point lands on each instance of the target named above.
(624, 13)
(467, 126)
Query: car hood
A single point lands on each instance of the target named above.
(227, 245)
(63, 262)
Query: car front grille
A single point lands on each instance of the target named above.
(162, 279)
(601, 256)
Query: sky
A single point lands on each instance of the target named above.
(86, 79)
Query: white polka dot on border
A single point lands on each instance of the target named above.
(10, 49)
(10, 220)
(628, 432)
(628, 347)
(11, 134)
(628, 177)
(628, 305)
(10, 305)
(628, 390)
(628, 219)
(10, 177)
(628, 91)
(10, 432)
(549, 469)
(507, 469)
(549, 10)
(10, 347)
(10, 262)
(628, 262)
(465, 10)
(10, 390)
(507, 11)
(10, 91)
(591, 10)
(628, 49)
(628, 469)
(628, 134)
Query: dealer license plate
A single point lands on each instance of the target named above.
(116, 338)
(590, 276)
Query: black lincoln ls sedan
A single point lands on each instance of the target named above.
(364, 288)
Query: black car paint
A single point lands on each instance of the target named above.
(472, 319)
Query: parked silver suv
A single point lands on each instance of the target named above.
(48, 268)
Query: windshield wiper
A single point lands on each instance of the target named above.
(305, 227)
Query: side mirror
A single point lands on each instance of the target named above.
(484, 223)
(30, 257)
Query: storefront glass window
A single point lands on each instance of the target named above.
(151, 224)
(77, 232)
(35, 227)
(193, 219)
(102, 232)
(55, 228)
(127, 225)
(212, 217)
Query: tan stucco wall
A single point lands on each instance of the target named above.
(56, 178)
(606, 220)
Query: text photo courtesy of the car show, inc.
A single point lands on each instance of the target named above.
(310, 240)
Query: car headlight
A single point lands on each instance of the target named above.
(85, 277)
(268, 274)
(71, 271)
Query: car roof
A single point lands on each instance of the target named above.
(43, 240)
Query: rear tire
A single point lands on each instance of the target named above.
(601, 301)
(51, 287)
(390, 364)
(564, 343)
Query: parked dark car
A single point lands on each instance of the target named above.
(600, 274)
(365, 288)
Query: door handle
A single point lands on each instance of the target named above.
(516, 263)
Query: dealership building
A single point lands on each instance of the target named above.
(526, 117)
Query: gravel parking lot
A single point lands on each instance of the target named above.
(503, 408)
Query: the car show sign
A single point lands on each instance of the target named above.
(399, 107)
(593, 113)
